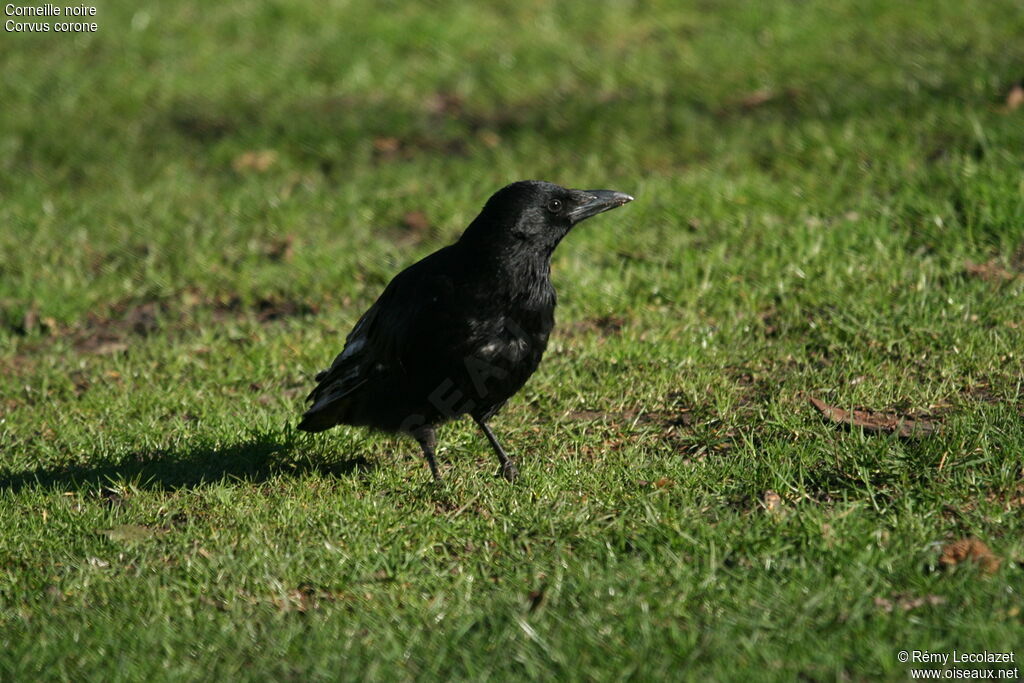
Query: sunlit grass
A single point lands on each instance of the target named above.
(812, 181)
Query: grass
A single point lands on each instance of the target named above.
(199, 201)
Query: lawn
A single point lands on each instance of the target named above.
(198, 200)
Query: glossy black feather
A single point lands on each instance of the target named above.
(462, 330)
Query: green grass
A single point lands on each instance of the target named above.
(162, 520)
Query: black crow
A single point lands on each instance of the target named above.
(462, 330)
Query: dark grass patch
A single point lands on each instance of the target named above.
(124, 322)
(604, 326)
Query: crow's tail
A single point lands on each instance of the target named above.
(318, 420)
(331, 403)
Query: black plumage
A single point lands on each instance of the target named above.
(462, 330)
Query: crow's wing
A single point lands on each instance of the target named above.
(388, 331)
(350, 368)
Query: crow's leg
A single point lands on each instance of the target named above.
(508, 468)
(428, 441)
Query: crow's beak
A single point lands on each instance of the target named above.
(598, 201)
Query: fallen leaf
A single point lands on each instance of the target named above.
(1014, 98)
(386, 146)
(664, 483)
(969, 549)
(257, 160)
(772, 501)
(758, 98)
(415, 221)
(875, 423)
(990, 271)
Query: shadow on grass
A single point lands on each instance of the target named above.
(255, 459)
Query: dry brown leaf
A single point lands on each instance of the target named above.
(663, 483)
(757, 98)
(256, 160)
(875, 423)
(386, 145)
(969, 549)
(1014, 98)
(416, 221)
(990, 271)
(772, 501)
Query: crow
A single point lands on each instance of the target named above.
(460, 331)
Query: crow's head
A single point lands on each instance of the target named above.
(537, 215)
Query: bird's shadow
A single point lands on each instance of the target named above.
(254, 459)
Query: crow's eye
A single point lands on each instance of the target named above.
(555, 205)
